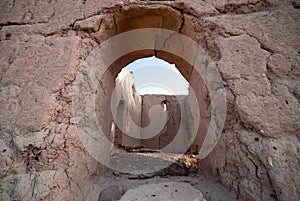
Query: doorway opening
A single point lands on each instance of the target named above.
(141, 86)
(152, 105)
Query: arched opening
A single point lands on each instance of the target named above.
(156, 83)
(144, 43)
(108, 84)
(143, 128)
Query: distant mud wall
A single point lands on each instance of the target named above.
(127, 107)
(175, 118)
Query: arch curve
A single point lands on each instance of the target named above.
(173, 47)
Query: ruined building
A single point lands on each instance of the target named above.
(58, 66)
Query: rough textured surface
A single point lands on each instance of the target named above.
(164, 191)
(210, 189)
(173, 107)
(111, 193)
(255, 44)
(127, 111)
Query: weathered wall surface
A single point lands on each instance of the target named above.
(255, 44)
(179, 119)
(260, 145)
(127, 104)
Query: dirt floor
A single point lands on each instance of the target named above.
(182, 170)
(211, 190)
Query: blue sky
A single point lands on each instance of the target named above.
(156, 76)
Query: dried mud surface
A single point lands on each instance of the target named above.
(254, 43)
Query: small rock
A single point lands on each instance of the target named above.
(133, 176)
(264, 75)
(111, 193)
(116, 174)
(270, 161)
(146, 176)
(75, 120)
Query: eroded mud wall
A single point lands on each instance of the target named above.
(179, 119)
(127, 105)
(255, 45)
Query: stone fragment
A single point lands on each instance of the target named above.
(75, 120)
(111, 193)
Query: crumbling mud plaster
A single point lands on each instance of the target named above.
(179, 116)
(127, 108)
(254, 44)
